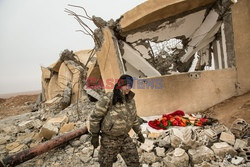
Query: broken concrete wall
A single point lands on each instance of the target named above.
(109, 58)
(190, 92)
(241, 27)
(170, 41)
(125, 51)
(155, 10)
(62, 82)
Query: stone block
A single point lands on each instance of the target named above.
(160, 151)
(67, 127)
(176, 158)
(12, 146)
(53, 102)
(25, 138)
(75, 143)
(11, 129)
(227, 137)
(37, 123)
(189, 138)
(25, 125)
(148, 157)
(87, 151)
(18, 148)
(154, 135)
(58, 121)
(148, 145)
(48, 130)
(218, 129)
(92, 93)
(239, 128)
(85, 138)
(211, 134)
(223, 148)
(2, 150)
(240, 144)
(200, 154)
(4, 139)
(245, 153)
(176, 137)
(165, 142)
(37, 137)
(237, 160)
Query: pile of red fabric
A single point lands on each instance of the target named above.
(176, 118)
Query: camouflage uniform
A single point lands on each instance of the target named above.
(114, 123)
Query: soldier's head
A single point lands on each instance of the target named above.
(122, 87)
(125, 83)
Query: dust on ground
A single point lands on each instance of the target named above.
(16, 105)
(231, 109)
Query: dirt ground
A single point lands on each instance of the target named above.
(226, 112)
(231, 109)
(16, 105)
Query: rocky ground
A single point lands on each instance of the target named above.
(216, 145)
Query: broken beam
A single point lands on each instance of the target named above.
(41, 148)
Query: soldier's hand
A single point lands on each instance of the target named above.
(141, 138)
(95, 140)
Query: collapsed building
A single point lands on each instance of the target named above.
(187, 55)
(183, 54)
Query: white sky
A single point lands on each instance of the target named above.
(33, 33)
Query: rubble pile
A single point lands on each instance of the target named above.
(25, 131)
(63, 82)
(214, 145)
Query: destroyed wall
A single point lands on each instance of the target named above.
(109, 59)
(171, 44)
(204, 28)
(241, 27)
(190, 92)
(63, 82)
(193, 94)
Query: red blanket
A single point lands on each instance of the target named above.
(175, 119)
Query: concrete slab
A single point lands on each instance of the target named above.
(154, 10)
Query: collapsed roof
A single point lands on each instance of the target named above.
(159, 37)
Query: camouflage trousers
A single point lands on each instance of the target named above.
(112, 146)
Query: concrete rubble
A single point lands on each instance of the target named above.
(175, 147)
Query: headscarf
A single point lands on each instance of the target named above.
(117, 94)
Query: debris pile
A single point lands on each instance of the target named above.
(63, 82)
(214, 145)
(25, 131)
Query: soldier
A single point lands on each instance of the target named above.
(114, 116)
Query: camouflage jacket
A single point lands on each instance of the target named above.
(114, 120)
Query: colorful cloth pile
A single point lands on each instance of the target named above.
(177, 118)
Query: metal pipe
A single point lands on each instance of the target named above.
(41, 148)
